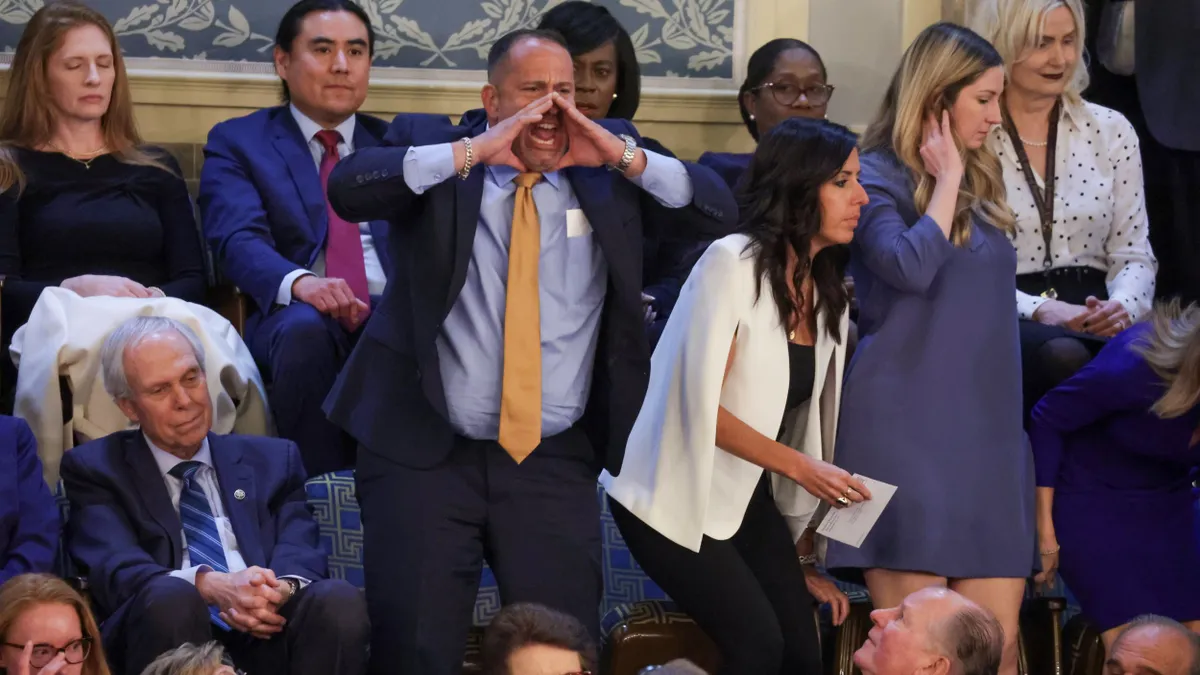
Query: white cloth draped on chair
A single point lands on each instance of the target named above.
(62, 339)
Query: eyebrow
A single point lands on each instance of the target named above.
(322, 40)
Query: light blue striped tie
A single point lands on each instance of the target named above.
(200, 527)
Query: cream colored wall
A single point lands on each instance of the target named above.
(861, 41)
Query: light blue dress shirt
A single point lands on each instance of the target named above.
(572, 278)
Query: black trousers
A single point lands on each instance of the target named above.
(326, 631)
(748, 592)
(426, 533)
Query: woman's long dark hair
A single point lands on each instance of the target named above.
(585, 27)
(779, 200)
(762, 62)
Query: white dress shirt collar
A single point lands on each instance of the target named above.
(166, 461)
(309, 128)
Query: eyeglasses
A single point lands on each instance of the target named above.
(75, 652)
(787, 94)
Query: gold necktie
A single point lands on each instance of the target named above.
(521, 392)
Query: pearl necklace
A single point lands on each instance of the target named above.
(1034, 144)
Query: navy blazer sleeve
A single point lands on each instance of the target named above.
(297, 550)
(235, 222)
(34, 540)
(100, 538)
(370, 185)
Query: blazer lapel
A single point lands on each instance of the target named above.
(468, 199)
(237, 478)
(593, 189)
(153, 491)
(293, 148)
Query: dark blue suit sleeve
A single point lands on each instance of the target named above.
(101, 540)
(297, 550)
(1118, 379)
(235, 223)
(369, 184)
(711, 215)
(32, 546)
(182, 251)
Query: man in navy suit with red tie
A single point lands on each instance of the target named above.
(311, 274)
(507, 360)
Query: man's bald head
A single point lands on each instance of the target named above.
(498, 54)
(1156, 644)
(935, 631)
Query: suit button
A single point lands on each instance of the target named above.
(437, 176)
(375, 176)
(384, 173)
(359, 178)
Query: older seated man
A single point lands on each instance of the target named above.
(187, 536)
(935, 631)
(1155, 644)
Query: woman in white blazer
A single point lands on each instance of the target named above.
(728, 460)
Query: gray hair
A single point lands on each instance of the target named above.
(1164, 623)
(973, 640)
(130, 334)
(188, 659)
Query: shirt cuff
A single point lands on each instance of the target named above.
(188, 574)
(1027, 304)
(428, 165)
(666, 179)
(300, 580)
(284, 295)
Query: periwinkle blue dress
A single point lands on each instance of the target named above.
(932, 398)
(1124, 509)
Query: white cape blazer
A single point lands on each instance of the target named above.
(674, 477)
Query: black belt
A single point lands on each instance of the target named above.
(1069, 284)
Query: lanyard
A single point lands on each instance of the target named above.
(1043, 200)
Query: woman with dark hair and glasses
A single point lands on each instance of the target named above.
(785, 78)
(47, 629)
(608, 83)
(728, 460)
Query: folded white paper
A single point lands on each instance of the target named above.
(851, 524)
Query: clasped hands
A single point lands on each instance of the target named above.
(588, 143)
(249, 600)
(1104, 318)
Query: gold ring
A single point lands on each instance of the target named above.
(849, 489)
(843, 501)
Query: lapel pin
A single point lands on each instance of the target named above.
(239, 494)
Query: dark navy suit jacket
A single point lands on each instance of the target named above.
(124, 531)
(261, 203)
(29, 524)
(390, 395)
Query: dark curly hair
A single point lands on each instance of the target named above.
(780, 205)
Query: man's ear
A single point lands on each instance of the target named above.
(491, 102)
(936, 664)
(129, 409)
(281, 59)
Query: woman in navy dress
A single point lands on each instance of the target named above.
(932, 402)
(1114, 446)
(784, 78)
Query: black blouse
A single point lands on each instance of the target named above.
(113, 218)
(803, 366)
